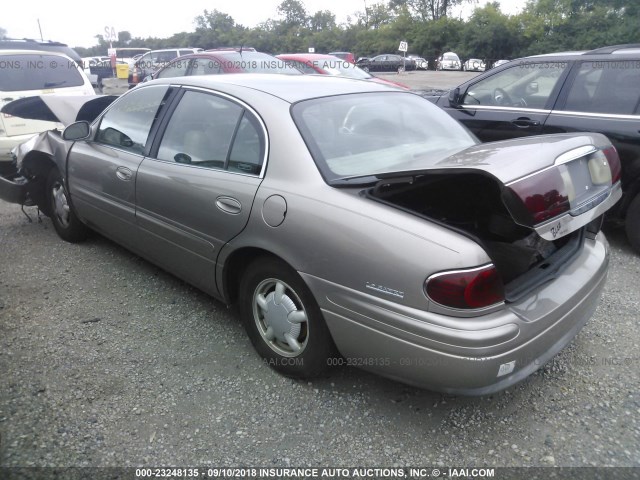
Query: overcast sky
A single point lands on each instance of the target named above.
(78, 22)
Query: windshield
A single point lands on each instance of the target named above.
(367, 134)
(451, 57)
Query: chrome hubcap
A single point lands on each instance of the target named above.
(61, 206)
(280, 317)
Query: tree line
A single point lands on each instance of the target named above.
(427, 25)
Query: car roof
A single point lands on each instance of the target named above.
(41, 46)
(624, 50)
(16, 51)
(290, 88)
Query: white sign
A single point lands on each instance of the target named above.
(404, 47)
(110, 34)
(312, 50)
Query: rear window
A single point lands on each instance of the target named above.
(37, 72)
(370, 133)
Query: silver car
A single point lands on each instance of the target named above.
(352, 223)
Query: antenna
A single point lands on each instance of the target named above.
(40, 28)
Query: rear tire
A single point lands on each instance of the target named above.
(632, 223)
(68, 226)
(283, 320)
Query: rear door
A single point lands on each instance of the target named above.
(513, 102)
(195, 191)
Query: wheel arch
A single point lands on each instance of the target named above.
(236, 264)
(36, 166)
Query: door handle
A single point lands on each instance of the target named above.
(123, 173)
(525, 122)
(229, 205)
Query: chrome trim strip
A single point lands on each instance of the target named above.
(593, 114)
(507, 108)
(575, 154)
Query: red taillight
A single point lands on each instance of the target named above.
(614, 163)
(544, 195)
(473, 288)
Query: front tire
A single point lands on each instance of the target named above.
(68, 226)
(283, 320)
(632, 223)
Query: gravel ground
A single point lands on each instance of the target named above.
(106, 360)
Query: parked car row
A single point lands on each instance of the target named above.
(387, 63)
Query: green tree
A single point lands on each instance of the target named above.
(428, 9)
(322, 20)
(489, 34)
(294, 13)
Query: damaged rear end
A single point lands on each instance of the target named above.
(531, 225)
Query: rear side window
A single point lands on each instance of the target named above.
(37, 72)
(212, 132)
(610, 87)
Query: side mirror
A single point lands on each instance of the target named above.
(77, 131)
(454, 97)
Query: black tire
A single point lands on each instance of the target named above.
(261, 282)
(632, 223)
(64, 219)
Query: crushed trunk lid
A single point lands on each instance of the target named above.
(554, 187)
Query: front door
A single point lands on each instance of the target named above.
(102, 171)
(511, 103)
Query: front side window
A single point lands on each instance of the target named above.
(127, 123)
(37, 72)
(609, 87)
(362, 135)
(210, 131)
(525, 85)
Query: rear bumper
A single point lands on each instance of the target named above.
(473, 356)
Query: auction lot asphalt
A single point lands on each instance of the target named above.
(105, 360)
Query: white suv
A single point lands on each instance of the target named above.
(28, 73)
